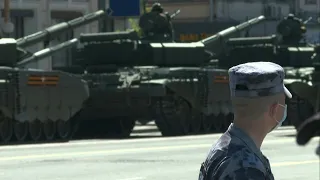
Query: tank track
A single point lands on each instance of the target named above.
(175, 117)
(169, 117)
(14, 132)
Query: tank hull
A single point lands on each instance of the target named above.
(39, 105)
(110, 104)
(190, 100)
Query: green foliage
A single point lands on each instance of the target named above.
(133, 23)
(135, 26)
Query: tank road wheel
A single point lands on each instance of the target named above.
(64, 129)
(183, 115)
(35, 130)
(75, 127)
(6, 129)
(20, 130)
(173, 116)
(218, 122)
(196, 122)
(306, 110)
(160, 117)
(126, 125)
(49, 130)
(207, 123)
(120, 127)
(293, 115)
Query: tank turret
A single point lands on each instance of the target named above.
(283, 48)
(52, 31)
(105, 49)
(108, 36)
(290, 31)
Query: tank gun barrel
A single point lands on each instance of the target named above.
(244, 41)
(48, 52)
(215, 43)
(308, 20)
(175, 14)
(57, 29)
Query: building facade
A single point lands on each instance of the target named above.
(309, 5)
(211, 12)
(239, 10)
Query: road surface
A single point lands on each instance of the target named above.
(152, 158)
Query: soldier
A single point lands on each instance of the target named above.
(258, 99)
(156, 25)
(292, 30)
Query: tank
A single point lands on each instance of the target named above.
(38, 105)
(172, 83)
(288, 49)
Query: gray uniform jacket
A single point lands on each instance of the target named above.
(235, 157)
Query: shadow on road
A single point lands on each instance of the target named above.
(15, 143)
(140, 132)
(136, 137)
(154, 130)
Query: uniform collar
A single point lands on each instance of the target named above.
(246, 139)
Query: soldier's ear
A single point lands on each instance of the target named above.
(273, 109)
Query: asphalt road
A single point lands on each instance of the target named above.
(152, 158)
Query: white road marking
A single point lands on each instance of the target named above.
(135, 178)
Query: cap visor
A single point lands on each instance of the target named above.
(287, 92)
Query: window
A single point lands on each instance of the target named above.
(272, 12)
(310, 2)
(18, 31)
